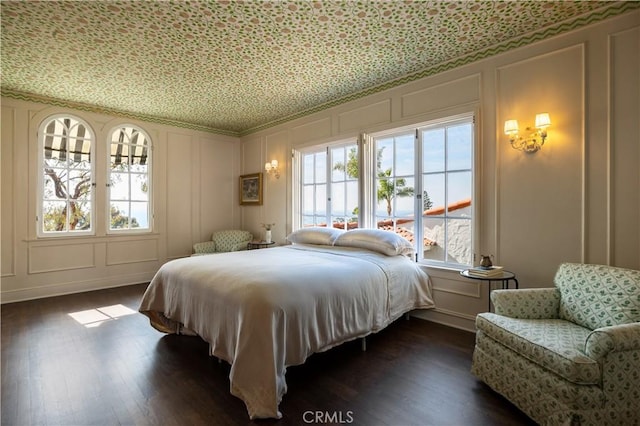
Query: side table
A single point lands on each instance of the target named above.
(254, 245)
(504, 278)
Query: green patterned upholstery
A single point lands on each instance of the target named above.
(597, 296)
(224, 241)
(569, 354)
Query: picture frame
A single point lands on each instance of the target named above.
(251, 189)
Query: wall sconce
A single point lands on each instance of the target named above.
(272, 167)
(536, 139)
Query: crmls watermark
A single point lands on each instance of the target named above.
(340, 417)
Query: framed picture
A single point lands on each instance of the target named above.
(251, 189)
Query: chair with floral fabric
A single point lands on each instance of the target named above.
(224, 241)
(568, 355)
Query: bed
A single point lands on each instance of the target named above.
(265, 310)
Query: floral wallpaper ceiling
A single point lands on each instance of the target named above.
(234, 67)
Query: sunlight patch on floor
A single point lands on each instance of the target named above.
(95, 317)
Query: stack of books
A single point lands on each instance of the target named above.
(485, 271)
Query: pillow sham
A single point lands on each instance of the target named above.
(315, 235)
(379, 240)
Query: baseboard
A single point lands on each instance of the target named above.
(24, 294)
(448, 318)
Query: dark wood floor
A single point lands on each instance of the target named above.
(57, 371)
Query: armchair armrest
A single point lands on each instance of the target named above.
(204, 247)
(533, 303)
(241, 245)
(614, 338)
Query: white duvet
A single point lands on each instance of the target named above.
(264, 310)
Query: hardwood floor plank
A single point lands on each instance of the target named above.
(58, 371)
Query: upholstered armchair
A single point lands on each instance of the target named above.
(568, 355)
(224, 241)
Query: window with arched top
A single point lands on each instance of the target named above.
(129, 183)
(66, 178)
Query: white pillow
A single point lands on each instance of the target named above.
(379, 240)
(315, 235)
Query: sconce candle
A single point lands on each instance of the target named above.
(536, 139)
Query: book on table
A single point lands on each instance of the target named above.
(486, 271)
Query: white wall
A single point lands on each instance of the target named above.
(577, 200)
(195, 192)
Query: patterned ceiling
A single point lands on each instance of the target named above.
(234, 67)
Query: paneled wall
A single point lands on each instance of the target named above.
(194, 188)
(576, 200)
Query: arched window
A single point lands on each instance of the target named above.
(66, 177)
(129, 183)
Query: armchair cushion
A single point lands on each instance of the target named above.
(555, 344)
(596, 296)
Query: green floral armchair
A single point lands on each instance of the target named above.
(568, 355)
(224, 241)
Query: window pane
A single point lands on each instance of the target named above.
(119, 215)
(321, 167)
(80, 215)
(321, 200)
(433, 229)
(119, 189)
(339, 164)
(80, 184)
(308, 199)
(459, 188)
(433, 185)
(139, 215)
(405, 155)
(338, 198)
(384, 156)
(459, 147)
(352, 198)
(459, 248)
(54, 216)
(433, 154)
(307, 168)
(139, 187)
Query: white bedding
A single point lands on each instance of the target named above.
(264, 310)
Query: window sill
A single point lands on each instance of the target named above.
(92, 238)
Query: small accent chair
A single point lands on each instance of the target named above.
(568, 355)
(224, 241)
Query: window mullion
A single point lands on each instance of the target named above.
(418, 228)
(327, 182)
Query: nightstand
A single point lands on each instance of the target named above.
(254, 245)
(503, 278)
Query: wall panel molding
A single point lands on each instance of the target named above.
(362, 117)
(56, 258)
(131, 251)
(462, 91)
(9, 178)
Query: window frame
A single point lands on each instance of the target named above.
(40, 202)
(298, 178)
(368, 178)
(107, 196)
